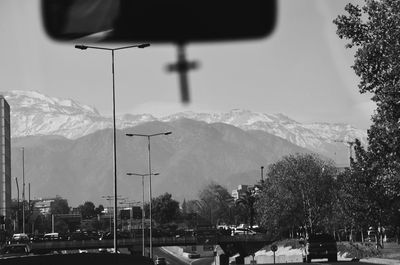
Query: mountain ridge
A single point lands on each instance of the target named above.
(33, 113)
(195, 154)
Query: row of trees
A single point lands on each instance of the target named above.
(305, 194)
(302, 193)
(305, 191)
(214, 205)
(37, 221)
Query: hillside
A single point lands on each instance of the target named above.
(195, 154)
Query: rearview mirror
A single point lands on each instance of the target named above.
(177, 21)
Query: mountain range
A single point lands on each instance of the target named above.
(33, 113)
(67, 144)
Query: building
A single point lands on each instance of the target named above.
(240, 192)
(5, 171)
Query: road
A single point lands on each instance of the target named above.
(173, 260)
(333, 263)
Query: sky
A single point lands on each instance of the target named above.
(302, 70)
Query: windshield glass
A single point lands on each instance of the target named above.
(266, 133)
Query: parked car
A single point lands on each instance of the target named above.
(15, 250)
(120, 235)
(36, 237)
(19, 238)
(243, 231)
(79, 236)
(320, 246)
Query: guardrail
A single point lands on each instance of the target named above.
(161, 241)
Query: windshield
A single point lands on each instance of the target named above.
(267, 133)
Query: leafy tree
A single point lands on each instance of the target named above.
(214, 202)
(351, 209)
(184, 207)
(59, 206)
(373, 30)
(192, 217)
(165, 209)
(61, 226)
(99, 210)
(87, 210)
(299, 192)
(40, 224)
(371, 195)
(191, 206)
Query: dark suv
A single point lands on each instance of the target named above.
(320, 246)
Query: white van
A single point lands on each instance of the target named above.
(50, 236)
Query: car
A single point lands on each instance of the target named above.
(319, 246)
(243, 231)
(120, 235)
(160, 261)
(36, 237)
(19, 238)
(15, 250)
(79, 236)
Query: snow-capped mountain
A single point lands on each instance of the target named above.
(33, 113)
(312, 136)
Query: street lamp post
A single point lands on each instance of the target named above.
(16, 215)
(143, 213)
(84, 47)
(150, 194)
(23, 190)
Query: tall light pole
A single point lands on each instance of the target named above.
(23, 190)
(84, 47)
(143, 213)
(150, 195)
(16, 216)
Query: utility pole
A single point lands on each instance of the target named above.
(29, 202)
(52, 223)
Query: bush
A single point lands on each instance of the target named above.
(358, 250)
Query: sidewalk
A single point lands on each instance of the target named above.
(381, 261)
